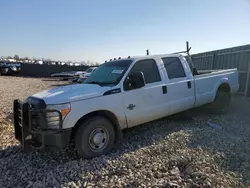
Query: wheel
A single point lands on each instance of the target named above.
(222, 102)
(95, 137)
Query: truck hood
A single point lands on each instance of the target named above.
(71, 93)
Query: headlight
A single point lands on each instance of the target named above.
(53, 117)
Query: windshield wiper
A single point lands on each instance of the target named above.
(94, 82)
(101, 83)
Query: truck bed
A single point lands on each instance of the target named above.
(217, 71)
(208, 81)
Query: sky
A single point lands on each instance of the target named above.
(97, 30)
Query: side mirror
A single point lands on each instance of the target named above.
(134, 81)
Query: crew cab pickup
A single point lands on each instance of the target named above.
(120, 94)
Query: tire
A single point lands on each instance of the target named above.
(95, 137)
(221, 103)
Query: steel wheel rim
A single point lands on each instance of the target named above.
(98, 139)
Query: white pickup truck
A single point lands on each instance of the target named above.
(120, 94)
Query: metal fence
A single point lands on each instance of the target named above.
(37, 70)
(236, 57)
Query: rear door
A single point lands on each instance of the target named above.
(180, 84)
(146, 103)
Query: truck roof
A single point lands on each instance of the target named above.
(155, 56)
(147, 57)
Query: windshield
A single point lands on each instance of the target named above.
(109, 73)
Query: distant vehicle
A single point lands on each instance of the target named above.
(67, 75)
(120, 94)
(9, 68)
(85, 75)
(73, 75)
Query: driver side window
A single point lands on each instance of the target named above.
(149, 69)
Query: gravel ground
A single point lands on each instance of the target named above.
(178, 151)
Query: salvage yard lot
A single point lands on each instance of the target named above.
(178, 151)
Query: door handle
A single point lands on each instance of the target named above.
(164, 89)
(189, 84)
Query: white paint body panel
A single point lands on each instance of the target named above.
(150, 102)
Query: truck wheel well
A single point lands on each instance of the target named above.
(103, 113)
(224, 87)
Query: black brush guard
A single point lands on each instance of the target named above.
(31, 135)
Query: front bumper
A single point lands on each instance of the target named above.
(32, 130)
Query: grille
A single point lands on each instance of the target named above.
(37, 117)
(35, 120)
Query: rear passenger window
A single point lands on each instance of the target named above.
(149, 69)
(174, 67)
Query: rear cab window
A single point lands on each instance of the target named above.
(173, 68)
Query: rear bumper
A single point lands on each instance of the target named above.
(38, 136)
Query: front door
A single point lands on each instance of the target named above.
(146, 103)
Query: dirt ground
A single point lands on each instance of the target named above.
(191, 149)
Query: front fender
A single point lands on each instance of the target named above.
(110, 103)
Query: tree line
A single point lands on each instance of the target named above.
(18, 58)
